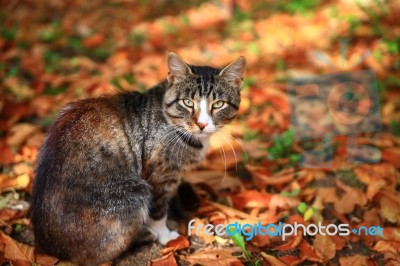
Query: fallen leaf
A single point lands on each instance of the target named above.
(167, 260)
(18, 253)
(179, 243)
(18, 182)
(340, 242)
(293, 243)
(391, 155)
(351, 198)
(358, 260)
(282, 202)
(19, 133)
(325, 246)
(251, 199)
(216, 257)
(307, 252)
(272, 260)
(45, 260)
(389, 208)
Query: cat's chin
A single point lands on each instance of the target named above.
(202, 135)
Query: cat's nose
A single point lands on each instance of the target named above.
(201, 125)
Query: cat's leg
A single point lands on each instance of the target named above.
(157, 221)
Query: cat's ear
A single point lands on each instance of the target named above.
(233, 73)
(177, 68)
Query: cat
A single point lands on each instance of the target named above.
(110, 164)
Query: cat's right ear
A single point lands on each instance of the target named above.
(177, 68)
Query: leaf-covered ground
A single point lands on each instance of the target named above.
(53, 52)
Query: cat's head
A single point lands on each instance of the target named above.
(201, 99)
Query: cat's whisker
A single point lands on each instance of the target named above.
(233, 150)
(168, 135)
(224, 157)
(238, 141)
(171, 140)
(186, 136)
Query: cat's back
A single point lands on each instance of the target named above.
(89, 132)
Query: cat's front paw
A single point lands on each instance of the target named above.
(167, 236)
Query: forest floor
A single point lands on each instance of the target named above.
(259, 170)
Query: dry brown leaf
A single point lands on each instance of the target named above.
(262, 177)
(384, 246)
(374, 187)
(6, 155)
(392, 155)
(15, 252)
(18, 182)
(251, 199)
(213, 257)
(327, 194)
(45, 260)
(351, 198)
(217, 180)
(231, 212)
(19, 133)
(292, 243)
(389, 209)
(272, 260)
(391, 233)
(358, 260)
(308, 252)
(282, 202)
(167, 260)
(340, 242)
(325, 246)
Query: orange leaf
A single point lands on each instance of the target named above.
(93, 41)
(216, 257)
(294, 242)
(290, 260)
(251, 199)
(340, 242)
(18, 253)
(167, 260)
(392, 155)
(45, 260)
(353, 260)
(179, 243)
(272, 260)
(309, 253)
(325, 246)
(262, 177)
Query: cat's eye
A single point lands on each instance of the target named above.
(188, 103)
(218, 104)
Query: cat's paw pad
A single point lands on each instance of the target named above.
(164, 238)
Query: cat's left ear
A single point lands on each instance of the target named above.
(177, 68)
(233, 73)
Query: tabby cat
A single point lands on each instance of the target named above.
(110, 164)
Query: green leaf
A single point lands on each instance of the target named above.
(239, 241)
(302, 207)
(395, 127)
(294, 157)
(291, 194)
